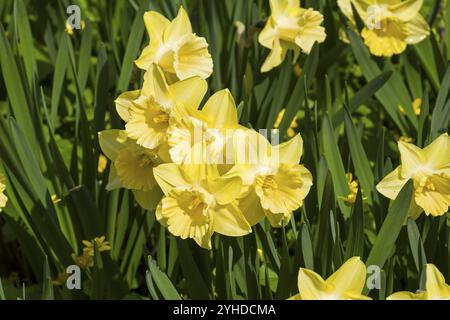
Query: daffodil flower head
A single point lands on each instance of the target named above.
(175, 48)
(3, 198)
(100, 242)
(430, 170)
(198, 202)
(346, 283)
(435, 288)
(148, 113)
(277, 183)
(132, 168)
(289, 27)
(389, 25)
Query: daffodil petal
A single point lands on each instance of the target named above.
(436, 287)
(225, 190)
(351, 276)
(179, 27)
(111, 142)
(155, 85)
(391, 185)
(418, 30)
(438, 152)
(275, 57)
(221, 109)
(312, 31)
(406, 10)
(250, 206)
(169, 176)
(229, 221)
(189, 92)
(411, 156)
(290, 151)
(148, 199)
(155, 23)
(192, 58)
(406, 295)
(310, 285)
(124, 102)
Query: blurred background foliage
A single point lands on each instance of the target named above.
(57, 90)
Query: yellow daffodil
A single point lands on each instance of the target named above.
(198, 202)
(290, 27)
(350, 199)
(100, 242)
(102, 162)
(430, 170)
(3, 198)
(132, 167)
(175, 48)
(390, 25)
(208, 126)
(346, 283)
(435, 288)
(276, 183)
(84, 261)
(148, 113)
(291, 130)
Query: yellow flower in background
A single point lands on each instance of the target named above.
(132, 167)
(276, 183)
(289, 27)
(198, 202)
(70, 30)
(430, 170)
(3, 198)
(405, 139)
(389, 25)
(175, 48)
(417, 103)
(350, 199)
(148, 113)
(60, 279)
(207, 126)
(346, 283)
(100, 242)
(102, 162)
(294, 125)
(84, 261)
(435, 288)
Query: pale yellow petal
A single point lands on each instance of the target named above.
(268, 34)
(437, 153)
(418, 30)
(225, 190)
(155, 23)
(155, 86)
(434, 201)
(229, 221)
(112, 141)
(275, 57)
(406, 295)
(436, 287)
(250, 206)
(351, 276)
(406, 10)
(412, 158)
(179, 27)
(189, 92)
(221, 110)
(290, 151)
(311, 286)
(391, 185)
(148, 199)
(124, 102)
(169, 176)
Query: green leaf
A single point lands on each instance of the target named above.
(162, 282)
(387, 236)
(47, 286)
(416, 245)
(334, 161)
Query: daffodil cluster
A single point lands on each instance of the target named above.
(389, 25)
(201, 170)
